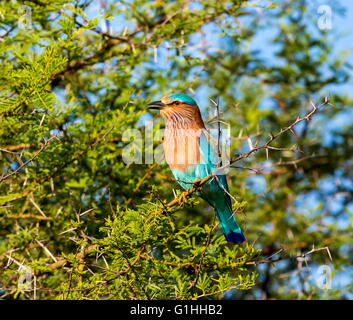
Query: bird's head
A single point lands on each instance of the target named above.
(178, 109)
(172, 101)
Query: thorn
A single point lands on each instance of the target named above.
(89, 210)
(155, 54)
(213, 102)
(191, 90)
(293, 132)
(250, 143)
(313, 105)
(329, 253)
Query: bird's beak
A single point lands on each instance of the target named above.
(156, 105)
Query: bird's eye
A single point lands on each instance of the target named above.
(177, 102)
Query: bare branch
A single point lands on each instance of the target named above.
(298, 257)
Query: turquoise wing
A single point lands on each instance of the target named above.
(215, 192)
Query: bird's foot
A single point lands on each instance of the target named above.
(182, 198)
(197, 183)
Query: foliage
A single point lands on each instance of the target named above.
(90, 226)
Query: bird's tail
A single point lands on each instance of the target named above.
(217, 195)
(230, 226)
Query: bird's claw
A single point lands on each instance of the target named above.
(182, 198)
(197, 182)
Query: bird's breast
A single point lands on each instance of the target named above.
(181, 148)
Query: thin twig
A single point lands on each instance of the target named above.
(300, 257)
(3, 178)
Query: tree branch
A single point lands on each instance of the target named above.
(197, 185)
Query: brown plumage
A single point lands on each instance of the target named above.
(184, 126)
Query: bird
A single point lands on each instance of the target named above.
(191, 158)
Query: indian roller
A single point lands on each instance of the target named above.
(188, 152)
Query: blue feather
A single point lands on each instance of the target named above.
(215, 191)
(183, 97)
